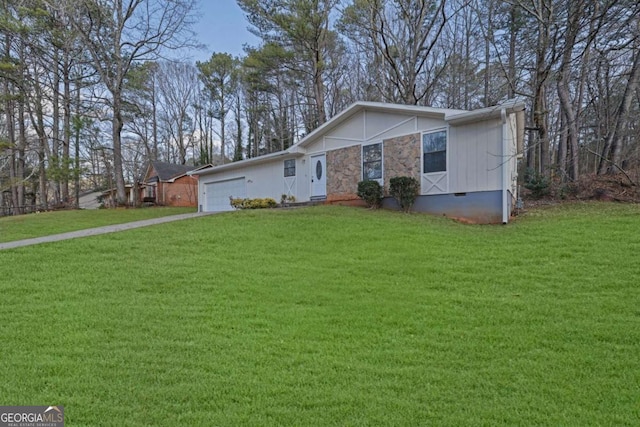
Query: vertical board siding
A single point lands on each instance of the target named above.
(475, 156)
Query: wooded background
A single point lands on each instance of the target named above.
(89, 94)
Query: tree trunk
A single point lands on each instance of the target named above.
(38, 124)
(20, 155)
(238, 115)
(513, 38)
(22, 134)
(540, 113)
(561, 161)
(65, 164)
(76, 171)
(154, 115)
(540, 123)
(10, 130)
(42, 171)
(54, 159)
(571, 123)
(319, 88)
(117, 125)
(487, 55)
(613, 144)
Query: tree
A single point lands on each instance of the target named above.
(141, 112)
(612, 151)
(404, 36)
(220, 75)
(271, 95)
(178, 87)
(301, 29)
(120, 33)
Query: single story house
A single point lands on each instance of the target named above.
(168, 184)
(465, 161)
(108, 198)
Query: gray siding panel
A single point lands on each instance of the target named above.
(475, 156)
(480, 207)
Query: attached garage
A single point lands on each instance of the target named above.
(216, 194)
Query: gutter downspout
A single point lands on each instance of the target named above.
(505, 168)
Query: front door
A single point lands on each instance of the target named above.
(318, 176)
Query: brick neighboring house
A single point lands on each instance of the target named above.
(168, 184)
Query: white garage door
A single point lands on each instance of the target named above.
(216, 194)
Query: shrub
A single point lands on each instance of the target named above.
(537, 183)
(253, 203)
(284, 199)
(405, 190)
(371, 193)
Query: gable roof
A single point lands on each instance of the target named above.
(297, 149)
(487, 113)
(168, 171)
(446, 114)
(382, 107)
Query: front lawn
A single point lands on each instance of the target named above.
(331, 316)
(47, 223)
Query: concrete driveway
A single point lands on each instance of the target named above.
(100, 230)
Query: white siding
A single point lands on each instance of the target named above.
(426, 123)
(217, 194)
(401, 128)
(351, 129)
(369, 127)
(378, 123)
(303, 180)
(263, 180)
(317, 145)
(475, 157)
(331, 143)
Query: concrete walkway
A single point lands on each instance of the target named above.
(100, 230)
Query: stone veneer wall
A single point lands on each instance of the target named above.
(401, 157)
(344, 171)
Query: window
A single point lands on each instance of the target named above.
(434, 151)
(372, 162)
(290, 167)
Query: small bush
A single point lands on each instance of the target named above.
(568, 190)
(537, 183)
(253, 203)
(371, 193)
(284, 199)
(405, 190)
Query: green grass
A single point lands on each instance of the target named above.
(47, 223)
(331, 316)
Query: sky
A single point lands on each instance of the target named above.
(223, 28)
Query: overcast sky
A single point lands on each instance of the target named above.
(223, 28)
